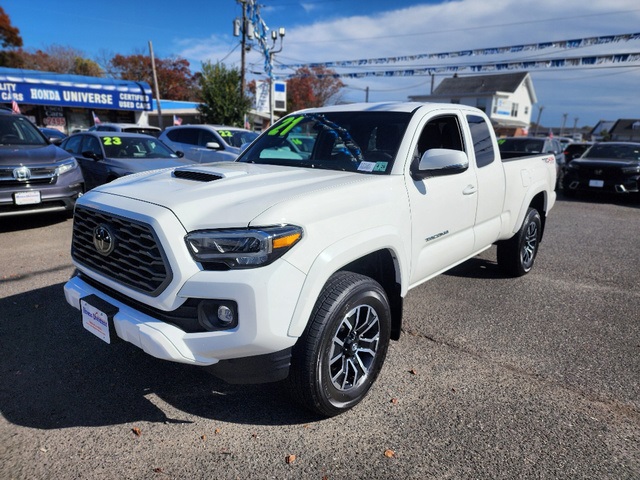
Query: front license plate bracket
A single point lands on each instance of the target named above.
(97, 317)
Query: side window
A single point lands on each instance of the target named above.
(91, 144)
(440, 132)
(73, 144)
(205, 137)
(184, 135)
(482, 143)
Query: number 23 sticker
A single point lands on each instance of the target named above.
(112, 140)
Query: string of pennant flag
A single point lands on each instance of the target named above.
(592, 60)
(531, 47)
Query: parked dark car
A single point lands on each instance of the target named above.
(606, 167)
(35, 175)
(55, 136)
(105, 156)
(575, 150)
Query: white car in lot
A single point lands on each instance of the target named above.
(207, 143)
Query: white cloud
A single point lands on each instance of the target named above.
(461, 25)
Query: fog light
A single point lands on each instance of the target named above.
(225, 315)
(217, 314)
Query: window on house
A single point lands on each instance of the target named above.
(514, 109)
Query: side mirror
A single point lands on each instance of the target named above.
(92, 155)
(56, 140)
(440, 161)
(213, 146)
(179, 153)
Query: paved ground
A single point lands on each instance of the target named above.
(537, 377)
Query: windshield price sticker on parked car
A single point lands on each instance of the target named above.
(112, 140)
(26, 198)
(225, 133)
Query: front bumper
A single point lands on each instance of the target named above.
(58, 197)
(266, 299)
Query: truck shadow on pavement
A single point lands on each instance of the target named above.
(55, 374)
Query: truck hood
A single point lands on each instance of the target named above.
(230, 194)
(31, 155)
(604, 162)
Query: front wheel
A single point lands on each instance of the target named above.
(516, 255)
(341, 352)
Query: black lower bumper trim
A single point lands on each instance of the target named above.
(272, 367)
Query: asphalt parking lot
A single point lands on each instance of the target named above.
(536, 377)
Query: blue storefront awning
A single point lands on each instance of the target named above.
(45, 88)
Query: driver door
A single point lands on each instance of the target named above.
(443, 206)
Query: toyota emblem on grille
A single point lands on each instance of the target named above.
(21, 173)
(597, 172)
(103, 240)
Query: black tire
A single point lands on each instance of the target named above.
(516, 255)
(341, 352)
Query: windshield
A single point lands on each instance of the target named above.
(365, 142)
(17, 130)
(618, 151)
(135, 147)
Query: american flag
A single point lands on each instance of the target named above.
(96, 120)
(177, 120)
(14, 106)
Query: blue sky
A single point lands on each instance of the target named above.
(338, 30)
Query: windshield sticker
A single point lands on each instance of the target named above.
(284, 127)
(112, 140)
(501, 141)
(380, 167)
(225, 133)
(366, 166)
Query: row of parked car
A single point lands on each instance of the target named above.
(42, 170)
(603, 167)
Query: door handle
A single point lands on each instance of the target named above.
(469, 190)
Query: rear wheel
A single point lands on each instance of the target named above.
(516, 255)
(344, 346)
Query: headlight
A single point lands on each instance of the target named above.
(634, 169)
(242, 248)
(66, 166)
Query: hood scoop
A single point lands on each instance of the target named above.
(203, 175)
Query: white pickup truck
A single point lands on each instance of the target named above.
(293, 261)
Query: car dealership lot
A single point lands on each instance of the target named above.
(535, 377)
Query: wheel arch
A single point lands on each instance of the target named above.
(383, 264)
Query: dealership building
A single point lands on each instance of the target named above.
(71, 103)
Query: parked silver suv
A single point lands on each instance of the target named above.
(207, 143)
(35, 175)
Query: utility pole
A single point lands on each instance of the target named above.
(155, 84)
(366, 95)
(564, 120)
(243, 45)
(540, 108)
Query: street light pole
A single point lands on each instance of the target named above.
(274, 36)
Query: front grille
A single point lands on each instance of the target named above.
(137, 260)
(39, 175)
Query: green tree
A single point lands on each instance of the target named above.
(222, 101)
